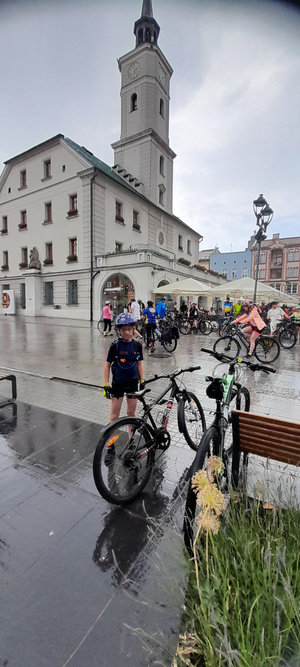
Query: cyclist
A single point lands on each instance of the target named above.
(107, 315)
(275, 315)
(296, 318)
(149, 315)
(125, 360)
(237, 308)
(161, 308)
(251, 317)
(193, 314)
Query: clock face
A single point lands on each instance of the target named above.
(162, 76)
(134, 70)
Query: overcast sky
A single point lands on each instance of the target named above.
(235, 98)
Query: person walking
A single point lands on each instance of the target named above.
(107, 317)
(161, 308)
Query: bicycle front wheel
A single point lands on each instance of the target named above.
(170, 346)
(227, 345)
(191, 419)
(267, 349)
(121, 465)
(100, 326)
(287, 338)
(184, 327)
(209, 446)
(205, 327)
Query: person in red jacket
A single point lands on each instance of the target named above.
(256, 324)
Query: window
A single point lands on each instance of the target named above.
(4, 229)
(162, 165)
(73, 205)
(233, 273)
(262, 259)
(23, 179)
(48, 212)
(180, 246)
(161, 107)
(47, 168)
(293, 256)
(23, 220)
(119, 246)
(261, 274)
(276, 258)
(294, 288)
(119, 212)
(133, 105)
(72, 292)
(189, 248)
(5, 287)
(24, 258)
(22, 296)
(224, 272)
(135, 220)
(48, 254)
(291, 288)
(277, 286)
(161, 194)
(72, 257)
(4, 266)
(48, 294)
(245, 273)
(292, 272)
(275, 273)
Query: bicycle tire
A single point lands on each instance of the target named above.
(119, 480)
(191, 420)
(287, 339)
(227, 345)
(184, 327)
(205, 327)
(171, 346)
(267, 349)
(209, 446)
(100, 326)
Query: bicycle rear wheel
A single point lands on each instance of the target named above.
(184, 327)
(191, 419)
(287, 338)
(209, 446)
(121, 467)
(227, 345)
(205, 327)
(267, 349)
(100, 326)
(170, 346)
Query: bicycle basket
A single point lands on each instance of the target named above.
(215, 390)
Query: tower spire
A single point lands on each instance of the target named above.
(146, 29)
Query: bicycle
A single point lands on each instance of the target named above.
(125, 454)
(203, 326)
(100, 327)
(217, 440)
(266, 349)
(286, 334)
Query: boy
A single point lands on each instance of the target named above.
(125, 359)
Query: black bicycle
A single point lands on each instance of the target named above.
(266, 349)
(125, 453)
(217, 440)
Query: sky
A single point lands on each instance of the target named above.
(235, 98)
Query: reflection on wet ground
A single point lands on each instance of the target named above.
(77, 575)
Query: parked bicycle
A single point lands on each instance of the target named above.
(126, 452)
(266, 349)
(202, 326)
(286, 333)
(217, 440)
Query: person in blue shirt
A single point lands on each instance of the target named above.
(161, 308)
(150, 318)
(125, 360)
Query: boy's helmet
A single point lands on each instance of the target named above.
(125, 318)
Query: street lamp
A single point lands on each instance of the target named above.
(264, 215)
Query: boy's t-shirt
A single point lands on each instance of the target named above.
(125, 356)
(149, 314)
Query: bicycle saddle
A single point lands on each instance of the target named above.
(138, 394)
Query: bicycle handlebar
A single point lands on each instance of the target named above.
(190, 369)
(253, 367)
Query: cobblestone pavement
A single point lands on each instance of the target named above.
(77, 575)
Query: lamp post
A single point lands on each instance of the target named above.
(264, 215)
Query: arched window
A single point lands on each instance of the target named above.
(147, 35)
(140, 36)
(161, 166)
(133, 102)
(161, 107)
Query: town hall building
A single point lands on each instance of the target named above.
(76, 232)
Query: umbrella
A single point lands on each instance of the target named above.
(186, 287)
(244, 288)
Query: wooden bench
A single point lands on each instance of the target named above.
(268, 437)
(12, 379)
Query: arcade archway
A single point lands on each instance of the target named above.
(117, 289)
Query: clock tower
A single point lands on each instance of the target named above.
(143, 151)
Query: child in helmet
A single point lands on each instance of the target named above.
(125, 360)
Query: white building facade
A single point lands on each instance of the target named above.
(75, 231)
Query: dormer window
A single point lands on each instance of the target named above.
(161, 107)
(133, 106)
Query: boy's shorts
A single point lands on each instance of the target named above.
(120, 388)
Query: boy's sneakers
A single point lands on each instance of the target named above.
(110, 455)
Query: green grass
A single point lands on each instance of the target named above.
(243, 608)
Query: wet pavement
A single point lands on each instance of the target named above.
(83, 582)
